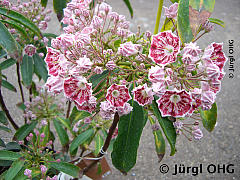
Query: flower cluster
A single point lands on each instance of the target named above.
(42, 107)
(97, 44)
(37, 154)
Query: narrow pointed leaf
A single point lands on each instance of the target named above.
(7, 42)
(98, 144)
(160, 145)
(4, 128)
(27, 70)
(167, 127)
(209, 118)
(183, 23)
(62, 134)
(9, 155)
(130, 129)
(217, 21)
(77, 115)
(129, 6)
(67, 168)
(44, 3)
(80, 139)
(19, 28)
(40, 67)
(2, 144)
(3, 118)
(7, 63)
(167, 25)
(20, 19)
(8, 86)
(23, 131)
(14, 169)
(58, 6)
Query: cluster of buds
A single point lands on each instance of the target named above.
(42, 107)
(97, 42)
(37, 154)
(38, 15)
(32, 10)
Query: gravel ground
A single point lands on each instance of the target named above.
(221, 147)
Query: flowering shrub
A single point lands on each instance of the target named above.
(116, 80)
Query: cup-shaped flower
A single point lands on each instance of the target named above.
(118, 95)
(175, 103)
(164, 48)
(143, 95)
(52, 60)
(78, 89)
(171, 12)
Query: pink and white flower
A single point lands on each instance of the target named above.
(107, 110)
(164, 48)
(118, 95)
(84, 64)
(171, 12)
(52, 60)
(197, 133)
(192, 49)
(88, 106)
(55, 84)
(78, 89)
(156, 74)
(126, 109)
(129, 49)
(30, 50)
(175, 103)
(143, 95)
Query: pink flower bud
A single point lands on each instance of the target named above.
(43, 169)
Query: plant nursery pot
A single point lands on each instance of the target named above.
(94, 172)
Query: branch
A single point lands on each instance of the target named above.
(4, 108)
(106, 144)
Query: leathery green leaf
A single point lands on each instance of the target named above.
(209, 118)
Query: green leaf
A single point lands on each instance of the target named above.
(7, 42)
(160, 145)
(173, 1)
(19, 28)
(199, 12)
(65, 122)
(67, 168)
(80, 139)
(217, 21)
(44, 3)
(5, 163)
(183, 23)
(58, 6)
(27, 70)
(23, 131)
(13, 146)
(96, 79)
(209, 118)
(62, 134)
(117, 43)
(46, 131)
(98, 144)
(3, 118)
(128, 4)
(50, 35)
(167, 25)
(9, 155)
(77, 115)
(2, 53)
(8, 85)
(7, 63)
(40, 67)
(4, 128)
(2, 144)
(167, 127)
(125, 147)
(20, 19)
(14, 169)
